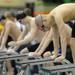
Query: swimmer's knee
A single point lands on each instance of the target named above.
(47, 54)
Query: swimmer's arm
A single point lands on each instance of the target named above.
(20, 38)
(22, 34)
(7, 29)
(43, 39)
(56, 41)
(29, 37)
(62, 31)
(2, 33)
(46, 42)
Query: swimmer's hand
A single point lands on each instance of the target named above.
(12, 43)
(25, 50)
(34, 54)
(31, 54)
(11, 51)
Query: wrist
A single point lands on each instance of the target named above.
(39, 53)
(2, 47)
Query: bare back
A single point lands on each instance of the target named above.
(14, 31)
(66, 11)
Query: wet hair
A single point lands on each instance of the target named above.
(13, 14)
(8, 14)
(23, 14)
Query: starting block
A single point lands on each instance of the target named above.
(24, 64)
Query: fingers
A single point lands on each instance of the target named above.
(12, 43)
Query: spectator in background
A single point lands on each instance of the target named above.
(2, 24)
(2, 18)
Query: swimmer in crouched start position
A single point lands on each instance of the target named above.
(56, 20)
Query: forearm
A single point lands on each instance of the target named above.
(63, 38)
(62, 32)
(46, 42)
(4, 41)
(5, 36)
(63, 43)
(56, 41)
(1, 36)
(26, 40)
(22, 34)
(29, 37)
(20, 38)
(42, 42)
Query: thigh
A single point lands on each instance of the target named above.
(22, 47)
(8, 40)
(32, 48)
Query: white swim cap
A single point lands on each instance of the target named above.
(38, 20)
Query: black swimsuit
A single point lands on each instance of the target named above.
(72, 25)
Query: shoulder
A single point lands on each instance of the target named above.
(8, 24)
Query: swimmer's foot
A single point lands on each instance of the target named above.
(60, 58)
(53, 56)
(47, 54)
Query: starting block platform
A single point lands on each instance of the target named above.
(24, 63)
